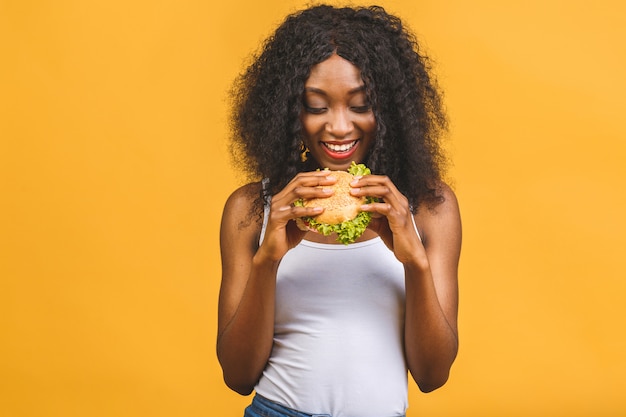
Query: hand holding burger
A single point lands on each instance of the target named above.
(341, 213)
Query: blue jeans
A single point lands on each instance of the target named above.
(262, 407)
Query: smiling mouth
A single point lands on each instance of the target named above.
(344, 147)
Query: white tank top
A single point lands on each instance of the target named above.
(338, 333)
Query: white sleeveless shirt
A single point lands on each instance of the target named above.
(338, 332)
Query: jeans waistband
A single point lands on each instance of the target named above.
(271, 409)
(262, 407)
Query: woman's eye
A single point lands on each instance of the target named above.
(361, 109)
(315, 110)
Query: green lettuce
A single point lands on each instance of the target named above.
(359, 169)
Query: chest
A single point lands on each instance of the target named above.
(335, 283)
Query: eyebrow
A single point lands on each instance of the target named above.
(322, 92)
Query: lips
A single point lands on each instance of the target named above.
(340, 150)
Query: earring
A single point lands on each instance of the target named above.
(304, 150)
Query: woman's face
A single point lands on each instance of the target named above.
(338, 122)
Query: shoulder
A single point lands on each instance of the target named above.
(245, 195)
(242, 211)
(442, 218)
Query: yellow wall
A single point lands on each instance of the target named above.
(113, 173)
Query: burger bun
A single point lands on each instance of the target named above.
(340, 206)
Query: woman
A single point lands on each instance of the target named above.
(317, 327)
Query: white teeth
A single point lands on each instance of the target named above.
(340, 148)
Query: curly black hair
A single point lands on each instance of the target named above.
(268, 98)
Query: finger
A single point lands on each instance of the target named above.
(289, 197)
(396, 215)
(381, 227)
(365, 180)
(378, 209)
(283, 213)
(383, 195)
(380, 187)
(307, 185)
(314, 178)
(381, 191)
(309, 193)
(374, 186)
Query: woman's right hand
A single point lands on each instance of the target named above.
(281, 233)
(248, 287)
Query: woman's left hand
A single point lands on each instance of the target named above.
(391, 216)
(431, 277)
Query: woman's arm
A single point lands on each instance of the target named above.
(246, 301)
(431, 336)
(247, 293)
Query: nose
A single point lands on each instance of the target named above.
(339, 123)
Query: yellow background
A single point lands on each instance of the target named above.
(113, 173)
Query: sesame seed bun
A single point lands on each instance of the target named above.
(341, 205)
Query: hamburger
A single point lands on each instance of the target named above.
(341, 213)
